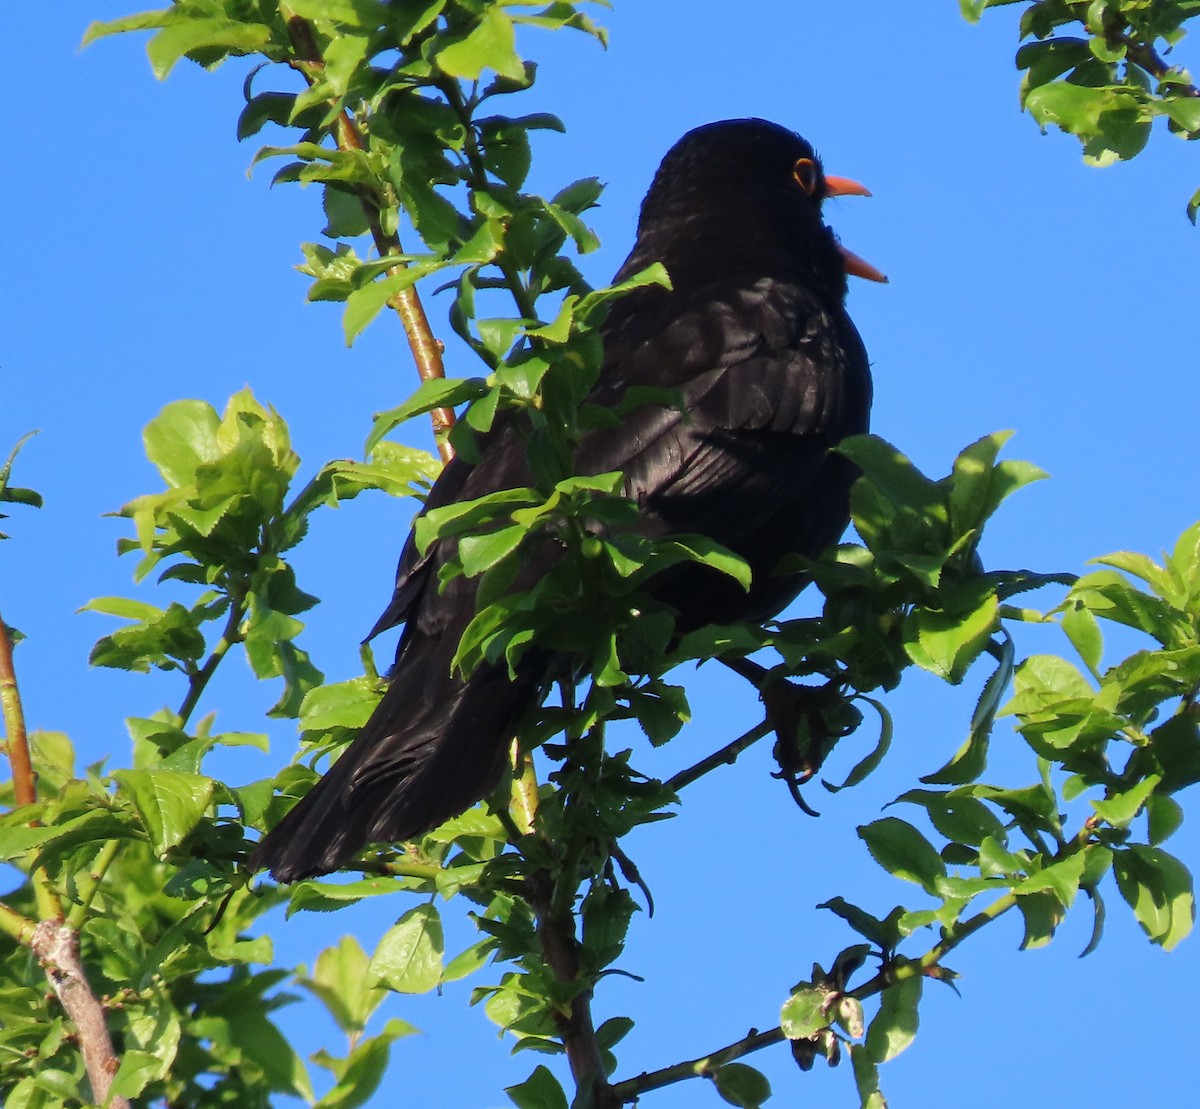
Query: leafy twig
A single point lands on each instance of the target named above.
(426, 349)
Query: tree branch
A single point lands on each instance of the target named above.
(928, 965)
(426, 348)
(703, 1067)
(1144, 55)
(560, 952)
(201, 678)
(726, 756)
(24, 779)
(16, 739)
(57, 949)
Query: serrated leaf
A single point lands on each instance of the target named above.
(409, 957)
(169, 802)
(186, 36)
(539, 1091)
(901, 850)
(491, 44)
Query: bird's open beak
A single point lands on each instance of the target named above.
(844, 186)
(859, 267)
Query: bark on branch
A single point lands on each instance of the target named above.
(57, 949)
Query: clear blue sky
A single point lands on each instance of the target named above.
(1028, 291)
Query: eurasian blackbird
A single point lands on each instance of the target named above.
(754, 337)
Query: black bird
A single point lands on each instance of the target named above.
(755, 338)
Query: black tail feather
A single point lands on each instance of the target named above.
(433, 747)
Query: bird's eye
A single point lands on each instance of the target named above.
(806, 174)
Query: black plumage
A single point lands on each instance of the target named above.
(755, 337)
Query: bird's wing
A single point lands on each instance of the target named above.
(763, 374)
(769, 379)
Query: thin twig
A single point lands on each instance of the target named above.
(425, 347)
(16, 740)
(928, 965)
(57, 949)
(1144, 55)
(87, 885)
(201, 678)
(724, 757)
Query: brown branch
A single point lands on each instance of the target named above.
(16, 741)
(1144, 55)
(200, 678)
(576, 1029)
(927, 966)
(704, 1067)
(726, 756)
(426, 348)
(57, 949)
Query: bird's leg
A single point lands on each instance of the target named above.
(807, 721)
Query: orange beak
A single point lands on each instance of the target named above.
(858, 267)
(844, 186)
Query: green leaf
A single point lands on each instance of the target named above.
(539, 1091)
(1061, 878)
(804, 1013)
(143, 21)
(1042, 913)
(866, 1078)
(970, 760)
(901, 850)
(1164, 816)
(170, 803)
(1119, 809)
(469, 961)
(351, 13)
(1083, 630)
(409, 957)
(182, 438)
(884, 933)
(959, 816)
(481, 552)
(947, 642)
(437, 392)
(491, 44)
(895, 1025)
(339, 705)
(365, 303)
(340, 980)
(186, 36)
(741, 1085)
(1158, 887)
(360, 1074)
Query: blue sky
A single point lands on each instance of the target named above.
(1028, 291)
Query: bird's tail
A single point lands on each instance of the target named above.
(434, 746)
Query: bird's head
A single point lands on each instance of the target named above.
(741, 191)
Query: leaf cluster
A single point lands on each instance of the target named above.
(1108, 82)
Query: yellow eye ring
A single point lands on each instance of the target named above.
(807, 175)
